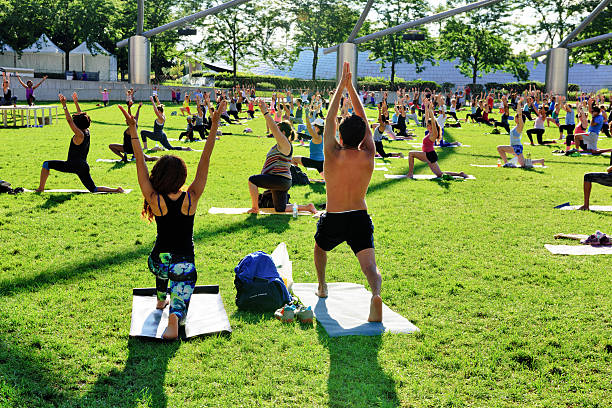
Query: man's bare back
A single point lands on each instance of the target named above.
(347, 177)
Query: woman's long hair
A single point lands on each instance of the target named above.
(167, 176)
(287, 130)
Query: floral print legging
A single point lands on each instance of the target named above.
(182, 276)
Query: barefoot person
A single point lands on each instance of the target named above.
(158, 133)
(77, 152)
(428, 153)
(516, 147)
(605, 179)
(29, 89)
(276, 174)
(122, 150)
(348, 169)
(172, 258)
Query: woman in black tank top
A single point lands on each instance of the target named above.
(122, 150)
(77, 152)
(172, 258)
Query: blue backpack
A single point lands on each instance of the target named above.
(259, 287)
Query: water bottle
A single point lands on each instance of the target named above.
(295, 210)
(498, 163)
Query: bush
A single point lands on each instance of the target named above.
(224, 84)
(265, 85)
(447, 86)
(573, 88)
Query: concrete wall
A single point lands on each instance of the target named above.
(90, 90)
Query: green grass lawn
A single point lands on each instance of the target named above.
(503, 322)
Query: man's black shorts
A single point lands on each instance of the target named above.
(313, 164)
(605, 179)
(354, 227)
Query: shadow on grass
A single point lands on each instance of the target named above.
(139, 383)
(100, 264)
(418, 166)
(356, 378)
(55, 200)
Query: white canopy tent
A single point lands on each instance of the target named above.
(94, 58)
(7, 56)
(42, 56)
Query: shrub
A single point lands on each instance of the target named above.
(573, 88)
(265, 85)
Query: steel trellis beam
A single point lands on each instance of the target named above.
(580, 43)
(582, 26)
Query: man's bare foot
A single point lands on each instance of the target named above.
(161, 304)
(120, 190)
(584, 208)
(312, 208)
(322, 291)
(189, 149)
(410, 175)
(39, 190)
(253, 211)
(462, 174)
(171, 332)
(375, 309)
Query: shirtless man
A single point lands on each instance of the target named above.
(348, 169)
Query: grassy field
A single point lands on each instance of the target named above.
(503, 322)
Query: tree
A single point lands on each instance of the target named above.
(243, 34)
(321, 24)
(393, 49)
(600, 53)
(21, 23)
(479, 51)
(555, 19)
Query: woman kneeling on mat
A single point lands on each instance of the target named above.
(122, 150)
(172, 258)
(428, 154)
(77, 152)
(516, 147)
(316, 158)
(158, 133)
(276, 174)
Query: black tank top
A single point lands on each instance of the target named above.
(175, 229)
(79, 152)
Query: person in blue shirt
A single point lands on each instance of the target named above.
(597, 121)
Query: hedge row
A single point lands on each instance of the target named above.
(522, 86)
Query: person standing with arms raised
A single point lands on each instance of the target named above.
(348, 168)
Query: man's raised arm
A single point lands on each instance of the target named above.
(331, 124)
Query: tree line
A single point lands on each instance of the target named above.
(276, 31)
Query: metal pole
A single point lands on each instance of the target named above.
(347, 52)
(557, 71)
(580, 43)
(362, 18)
(139, 60)
(185, 20)
(140, 18)
(419, 22)
(582, 26)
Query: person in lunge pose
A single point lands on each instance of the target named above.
(77, 152)
(172, 258)
(122, 150)
(276, 174)
(516, 147)
(349, 163)
(158, 133)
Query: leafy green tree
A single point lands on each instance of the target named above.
(393, 49)
(321, 24)
(21, 23)
(244, 34)
(600, 53)
(479, 51)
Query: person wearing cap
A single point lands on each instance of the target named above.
(105, 96)
(315, 161)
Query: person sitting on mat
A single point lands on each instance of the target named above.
(158, 133)
(172, 258)
(315, 161)
(349, 163)
(428, 154)
(605, 179)
(122, 150)
(77, 152)
(516, 147)
(276, 174)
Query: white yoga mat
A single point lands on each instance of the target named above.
(591, 207)
(345, 311)
(262, 211)
(579, 249)
(206, 314)
(77, 191)
(425, 177)
(112, 160)
(381, 169)
(495, 165)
